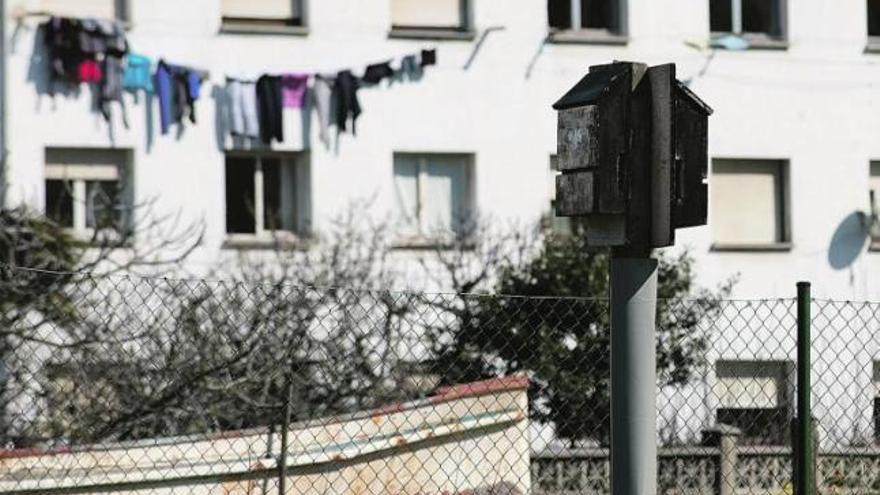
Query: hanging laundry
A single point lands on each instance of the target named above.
(410, 69)
(89, 71)
(269, 108)
(322, 95)
(241, 98)
(376, 72)
(178, 89)
(346, 101)
(429, 57)
(294, 88)
(137, 74)
(111, 89)
(61, 36)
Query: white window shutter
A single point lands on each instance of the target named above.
(104, 9)
(750, 384)
(444, 195)
(261, 9)
(746, 204)
(84, 164)
(426, 13)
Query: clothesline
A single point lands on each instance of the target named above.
(96, 51)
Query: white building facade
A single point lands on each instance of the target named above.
(791, 137)
(792, 140)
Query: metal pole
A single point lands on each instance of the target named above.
(804, 415)
(285, 427)
(633, 376)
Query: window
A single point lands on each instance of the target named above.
(435, 15)
(754, 396)
(265, 196)
(758, 221)
(873, 18)
(87, 189)
(755, 19)
(874, 196)
(433, 194)
(596, 16)
(262, 13)
(103, 9)
(559, 225)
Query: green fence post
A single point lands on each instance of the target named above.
(804, 453)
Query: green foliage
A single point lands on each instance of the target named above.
(564, 344)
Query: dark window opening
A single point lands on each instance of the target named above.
(873, 17)
(594, 14)
(597, 14)
(240, 196)
(59, 201)
(753, 16)
(758, 16)
(720, 16)
(559, 13)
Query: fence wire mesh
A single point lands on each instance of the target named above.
(161, 386)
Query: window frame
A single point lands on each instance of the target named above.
(874, 166)
(253, 25)
(757, 40)
(617, 35)
(464, 31)
(424, 238)
(301, 190)
(121, 8)
(124, 178)
(872, 44)
(783, 194)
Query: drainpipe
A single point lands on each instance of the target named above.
(4, 148)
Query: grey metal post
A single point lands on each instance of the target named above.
(633, 376)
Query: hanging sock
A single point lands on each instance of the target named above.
(269, 108)
(410, 69)
(376, 72)
(346, 100)
(294, 88)
(241, 98)
(429, 57)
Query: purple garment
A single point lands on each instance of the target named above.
(293, 90)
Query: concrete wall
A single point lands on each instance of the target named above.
(813, 104)
(469, 438)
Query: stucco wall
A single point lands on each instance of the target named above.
(813, 104)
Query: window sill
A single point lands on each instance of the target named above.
(431, 34)
(255, 28)
(103, 239)
(428, 244)
(588, 37)
(780, 247)
(756, 41)
(873, 45)
(281, 241)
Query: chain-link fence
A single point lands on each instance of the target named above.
(148, 385)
